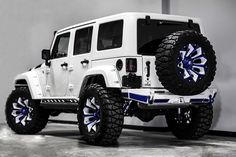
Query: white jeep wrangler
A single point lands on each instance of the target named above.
(129, 64)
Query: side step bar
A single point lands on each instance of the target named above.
(59, 104)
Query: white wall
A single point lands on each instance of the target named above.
(219, 19)
(27, 26)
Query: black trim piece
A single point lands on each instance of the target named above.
(148, 69)
(84, 83)
(161, 100)
(115, 57)
(148, 19)
(190, 23)
(125, 95)
(199, 101)
(158, 129)
(76, 27)
(160, 91)
(85, 61)
(59, 101)
(38, 66)
(62, 121)
(59, 106)
(132, 81)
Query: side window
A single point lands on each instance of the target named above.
(83, 39)
(60, 48)
(110, 35)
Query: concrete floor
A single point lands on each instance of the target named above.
(64, 140)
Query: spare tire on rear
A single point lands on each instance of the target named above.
(185, 63)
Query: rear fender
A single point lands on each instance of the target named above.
(111, 77)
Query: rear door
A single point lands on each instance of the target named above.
(80, 61)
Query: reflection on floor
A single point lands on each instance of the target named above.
(64, 140)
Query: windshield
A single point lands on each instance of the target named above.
(151, 33)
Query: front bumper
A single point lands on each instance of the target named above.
(163, 98)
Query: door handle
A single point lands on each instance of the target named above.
(64, 64)
(85, 61)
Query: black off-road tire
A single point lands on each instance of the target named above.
(111, 119)
(39, 116)
(201, 119)
(167, 61)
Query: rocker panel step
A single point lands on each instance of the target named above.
(60, 104)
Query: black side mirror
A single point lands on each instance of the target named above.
(46, 56)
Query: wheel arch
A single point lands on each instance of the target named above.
(30, 80)
(97, 78)
(106, 76)
(21, 83)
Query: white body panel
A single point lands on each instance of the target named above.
(109, 73)
(58, 81)
(57, 78)
(150, 82)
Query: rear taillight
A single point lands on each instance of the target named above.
(131, 65)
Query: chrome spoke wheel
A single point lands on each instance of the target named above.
(192, 63)
(91, 112)
(21, 111)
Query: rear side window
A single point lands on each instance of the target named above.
(83, 39)
(110, 35)
(60, 48)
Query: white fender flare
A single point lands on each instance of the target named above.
(110, 74)
(33, 83)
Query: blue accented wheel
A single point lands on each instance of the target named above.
(21, 111)
(100, 115)
(91, 115)
(185, 63)
(23, 115)
(192, 62)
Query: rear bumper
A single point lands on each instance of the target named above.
(163, 98)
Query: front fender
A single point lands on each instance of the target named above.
(33, 83)
(110, 74)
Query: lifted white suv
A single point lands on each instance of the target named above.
(130, 64)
